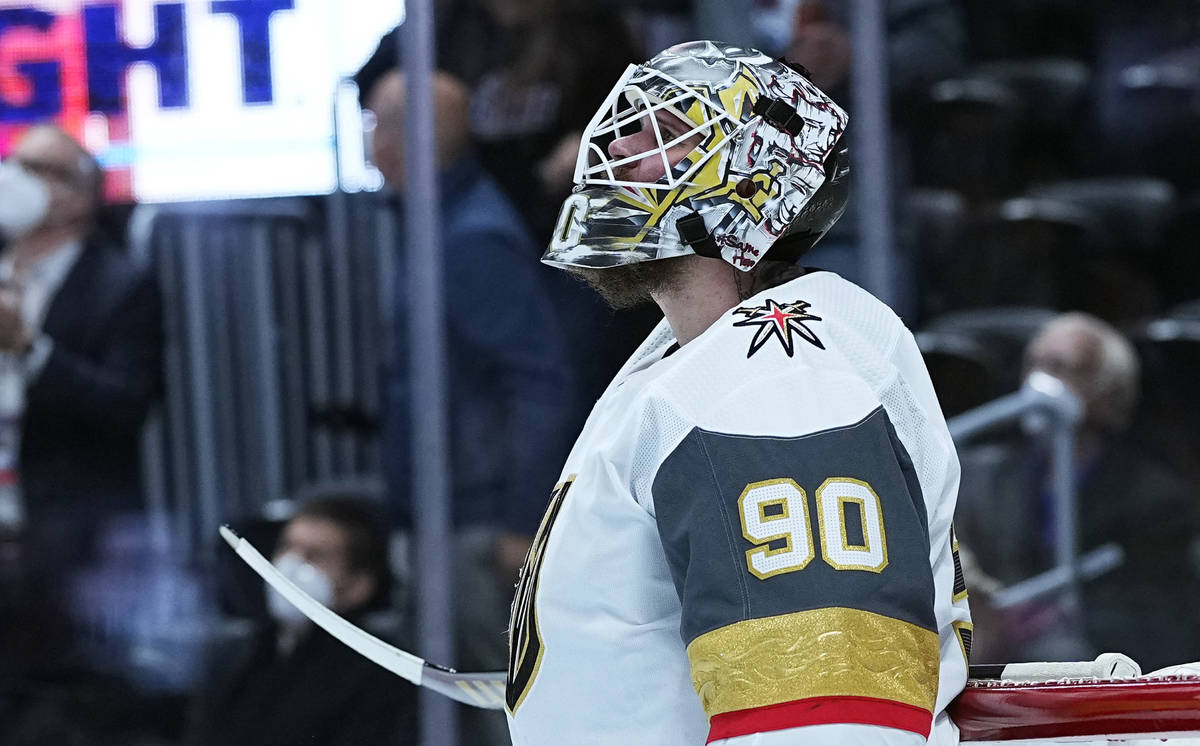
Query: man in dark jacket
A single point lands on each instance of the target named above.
(80, 366)
(81, 325)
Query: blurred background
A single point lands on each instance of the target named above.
(204, 320)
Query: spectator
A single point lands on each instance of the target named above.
(536, 71)
(288, 682)
(85, 326)
(1124, 496)
(81, 347)
(510, 377)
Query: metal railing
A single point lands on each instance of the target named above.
(1046, 407)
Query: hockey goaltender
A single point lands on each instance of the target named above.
(750, 542)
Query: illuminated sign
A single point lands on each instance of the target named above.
(196, 99)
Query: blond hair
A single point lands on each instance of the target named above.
(1116, 379)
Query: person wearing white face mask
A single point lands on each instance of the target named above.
(81, 351)
(25, 202)
(330, 550)
(293, 683)
(1127, 494)
(83, 322)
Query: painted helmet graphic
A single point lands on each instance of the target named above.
(731, 151)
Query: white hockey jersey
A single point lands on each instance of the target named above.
(751, 541)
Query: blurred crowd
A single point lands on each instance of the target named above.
(1045, 187)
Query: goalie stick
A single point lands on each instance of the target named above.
(999, 703)
(485, 690)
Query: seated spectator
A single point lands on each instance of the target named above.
(288, 682)
(1125, 495)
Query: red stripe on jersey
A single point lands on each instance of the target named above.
(821, 711)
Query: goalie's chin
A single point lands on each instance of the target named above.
(629, 285)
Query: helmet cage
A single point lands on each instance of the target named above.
(637, 97)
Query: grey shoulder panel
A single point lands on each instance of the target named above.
(704, 495)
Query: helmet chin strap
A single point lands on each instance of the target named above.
(694, 234)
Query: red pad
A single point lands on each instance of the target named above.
(820, 711)
(990, 710)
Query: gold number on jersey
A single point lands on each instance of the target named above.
(837, 498)
(776, 512)
(775, 518)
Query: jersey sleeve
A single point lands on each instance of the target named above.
(803, 568)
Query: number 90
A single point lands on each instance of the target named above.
(775, 511)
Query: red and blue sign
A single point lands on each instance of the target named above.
(180, 83)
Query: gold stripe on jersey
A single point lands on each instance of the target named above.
(819, 653)
(960, 582)
(964, 631)
(525, 644)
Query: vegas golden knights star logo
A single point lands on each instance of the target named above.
(785, 322)
(525, 645)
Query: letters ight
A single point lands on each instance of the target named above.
(109, 56)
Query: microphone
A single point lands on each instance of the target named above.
(1050, 400)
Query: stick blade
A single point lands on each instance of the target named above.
(483, 690)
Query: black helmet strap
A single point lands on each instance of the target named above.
(694, 234)
(779, 114)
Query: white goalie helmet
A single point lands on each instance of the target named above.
(768, 161)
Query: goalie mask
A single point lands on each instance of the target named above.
(706, 149)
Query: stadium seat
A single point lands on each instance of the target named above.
(1176, 264)
(1163, 91)
(1189, 311)
(1023, 251)
(1038, 251)
(1027, 111)
(933, 226)
(1002, 331)
(1053, 94)
(1053, 89)
(1132, 211)
(1028, 27)
(1170, 353)
(965, 372)
(957, 115)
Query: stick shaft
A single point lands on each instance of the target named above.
(405, 665)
